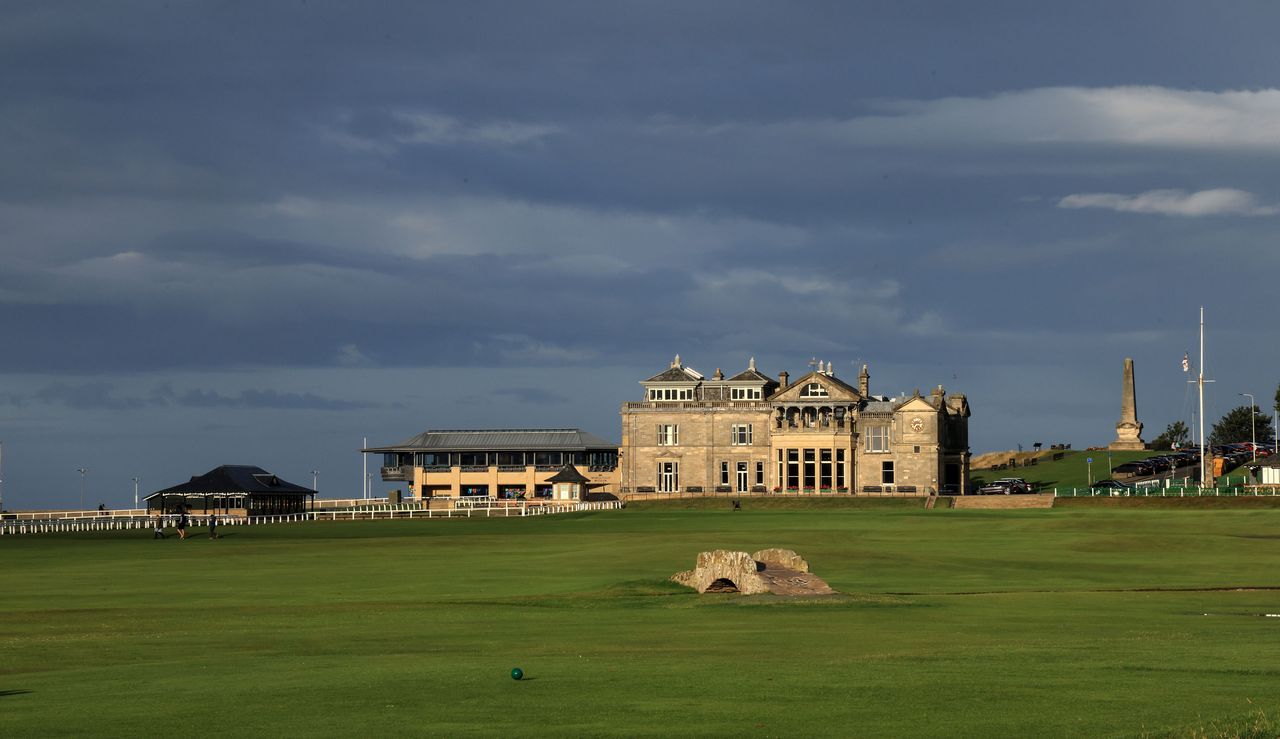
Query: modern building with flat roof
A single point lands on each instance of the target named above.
(498, 463)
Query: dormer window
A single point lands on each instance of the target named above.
(744, 393)
(670, 393)
(814, 390)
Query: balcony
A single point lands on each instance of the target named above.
(399, 473)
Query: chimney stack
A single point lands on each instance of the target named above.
(864, 382)
(783, 379)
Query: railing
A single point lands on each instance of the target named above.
(11, 527)
(1248, 491)
(78, 515)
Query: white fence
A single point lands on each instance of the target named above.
(11, 527)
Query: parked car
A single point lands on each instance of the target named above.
(1134, 468)
(1006, 486)
(1109, 484)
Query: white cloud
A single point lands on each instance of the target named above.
(435, 129)
(1129, 116)
(1220, 201)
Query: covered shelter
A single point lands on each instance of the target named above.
(569, 484)
(233, 488)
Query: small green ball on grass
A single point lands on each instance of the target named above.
(516, 673)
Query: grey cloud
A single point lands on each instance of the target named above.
(90, 396)
(265, 399)
(531, 395)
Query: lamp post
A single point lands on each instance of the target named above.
(135, 493)
(315, 486)
(1253, 424)
(83, 471)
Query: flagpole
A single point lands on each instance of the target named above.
(1204, 472)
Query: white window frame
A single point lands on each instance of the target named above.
(668, 434)
(740, 434)
(724, 473)
(744, 393)
(879, 439)
(814, 390)
(668, 477)
(742, 476)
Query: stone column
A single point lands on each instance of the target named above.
(1129, 430)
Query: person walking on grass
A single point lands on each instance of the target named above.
(182, 526)
(159, 528)
(213, 527)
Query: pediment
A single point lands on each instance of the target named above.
(816, 387)
(917, 404)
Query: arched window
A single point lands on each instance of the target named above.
(814, 390)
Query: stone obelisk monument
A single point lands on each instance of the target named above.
(1129, 430)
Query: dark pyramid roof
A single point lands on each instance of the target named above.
(674, 374)
(550, 440)
(234, 478)
(569, 473)
(751, 375)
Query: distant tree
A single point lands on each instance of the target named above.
(1175, 435)
(1236, 426)
(1277, 405)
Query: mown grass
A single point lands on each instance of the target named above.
(1072, 471)
(950, 622)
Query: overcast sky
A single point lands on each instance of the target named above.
(255, 233)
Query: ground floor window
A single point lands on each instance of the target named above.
(542, 491)
(476, 490)
(668, 477)
(759, 473)
(886, 473)
(742, 477)
(840, 482)
(724, 473)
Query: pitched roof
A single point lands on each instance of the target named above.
(751, 375)
(566, 440)
(235, 478)
(569, 473)
(818, 377)
(676, 374)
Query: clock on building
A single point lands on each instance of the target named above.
(917, 424)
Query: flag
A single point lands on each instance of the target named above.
(1186, 362)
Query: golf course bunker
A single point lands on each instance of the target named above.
(777, 571)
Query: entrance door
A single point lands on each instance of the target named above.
(742, 477)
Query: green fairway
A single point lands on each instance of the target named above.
(1075, 621)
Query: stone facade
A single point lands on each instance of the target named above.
(751, 433)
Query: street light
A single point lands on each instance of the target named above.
(315, 487)
(135, 493)
(83, 471)
(1253, 424)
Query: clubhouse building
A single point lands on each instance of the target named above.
(749, 433)
(752, 433)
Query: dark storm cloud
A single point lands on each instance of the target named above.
(997, 194)
(104, 396)
(265, 399)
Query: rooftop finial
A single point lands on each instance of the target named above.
(676, 362)
(751, 364)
